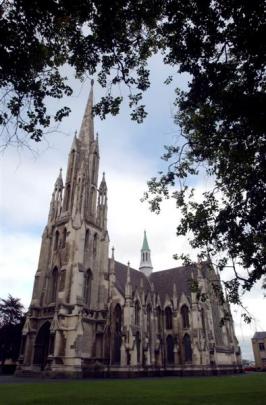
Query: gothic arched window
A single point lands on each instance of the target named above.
(185, 316)
(64, 238)
(56, 240)
(117, 322)
(87, 240)
(168, 318)
(187, 348)
(159, 319)
(137, 313)
(87, 287)
(118, 318)
(170, 349)
(95, 243)
(54, 284)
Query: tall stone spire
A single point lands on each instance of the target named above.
(80, 197)
(145, 259)
(86, 133)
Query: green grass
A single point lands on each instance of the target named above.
(229, 390)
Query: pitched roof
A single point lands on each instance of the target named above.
(163, 281)
(259, 335)
(135, 276)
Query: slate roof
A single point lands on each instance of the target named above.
(259, 335)
(163, 281)
(135, 276)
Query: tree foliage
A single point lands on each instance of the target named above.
(222, 122)
(39, 38)
(12, 318)
(221, 115)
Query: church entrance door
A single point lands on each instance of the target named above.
(42, 345)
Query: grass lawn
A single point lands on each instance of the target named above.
(229, 390)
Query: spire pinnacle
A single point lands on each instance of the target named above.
(128, 289)
(86, 133)
(128, 273)
(145, 245)
(145, 257)
(59, 181)
(103, 186)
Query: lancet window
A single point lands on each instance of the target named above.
(137, 313)
(170, 349)
(56, 240)
(64, 236)
(159, 319)
(87, 287)
(185, 316)
(67, 197)
(187, 348)
(95, 243)
(168, 318)
(87, 240)
(54, 284)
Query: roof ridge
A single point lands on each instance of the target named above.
(175, 268)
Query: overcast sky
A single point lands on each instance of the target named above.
(130, 155)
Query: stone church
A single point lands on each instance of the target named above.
(91, 315)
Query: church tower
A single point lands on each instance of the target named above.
(64, 326)
(145, 258)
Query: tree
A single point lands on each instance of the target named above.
(222, 126)
(220, 116)
(12, 318)
(39, 38)
(11, 311)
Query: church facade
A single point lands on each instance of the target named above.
(91, 315)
